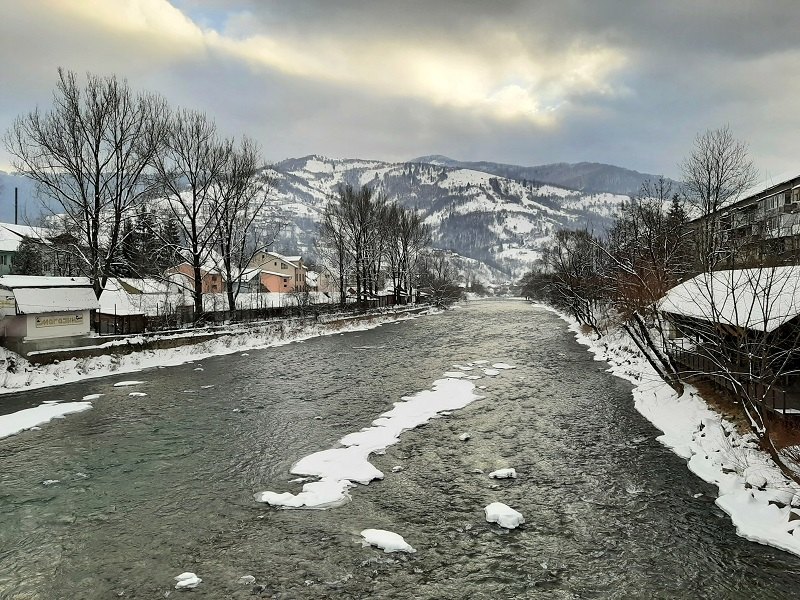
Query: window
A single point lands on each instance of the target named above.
(283, 266)
(285, 280)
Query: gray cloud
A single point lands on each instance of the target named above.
(516, 81)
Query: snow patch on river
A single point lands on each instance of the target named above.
(339, 469)
(38, 415)
(763, 504)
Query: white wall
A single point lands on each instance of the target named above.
(60, 324)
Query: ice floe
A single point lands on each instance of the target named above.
(504, 474)
(503, 515)
(464, 437)
(38, 415)
(341, 468)
(187, 580)
(246, 580)
(502, 365)
(491, 372)
(387, 540)
(137, 394)
(91, 396)
(127, 383)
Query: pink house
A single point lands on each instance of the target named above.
(184, 276)
(279, 273)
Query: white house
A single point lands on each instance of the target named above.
(40, 313)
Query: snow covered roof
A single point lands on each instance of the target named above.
(118, 302)
(33, 281)
(11, 235)
(293, 260)
(759, 299)
(144, 285)
(45, 300)
(49, 294)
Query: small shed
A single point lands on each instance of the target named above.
(118, 314)
(41, 313)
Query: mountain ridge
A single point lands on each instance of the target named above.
(584, 176)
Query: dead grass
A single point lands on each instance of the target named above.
(784, 432)
(721, 400)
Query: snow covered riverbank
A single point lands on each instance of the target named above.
(762, 503)
(26, 375)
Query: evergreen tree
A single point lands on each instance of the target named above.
(28, 259)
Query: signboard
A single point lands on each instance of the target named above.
(59, 320)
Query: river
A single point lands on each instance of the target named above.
(149, 487)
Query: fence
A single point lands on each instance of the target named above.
(170, 317)
(775, 396)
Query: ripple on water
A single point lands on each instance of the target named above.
(609, 512)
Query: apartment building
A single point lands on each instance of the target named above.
(761, 229)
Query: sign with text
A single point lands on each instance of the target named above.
(59, 320)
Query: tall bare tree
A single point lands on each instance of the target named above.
(239, 203)
(716, 173)
(191, 163)
(89, 155)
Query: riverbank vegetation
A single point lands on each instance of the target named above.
(663, 275)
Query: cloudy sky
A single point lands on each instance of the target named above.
(520, 81)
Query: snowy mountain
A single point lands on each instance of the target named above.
(499, 223)
(584, 176)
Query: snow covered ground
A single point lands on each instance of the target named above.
(762, 503)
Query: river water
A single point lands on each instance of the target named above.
(149, 487)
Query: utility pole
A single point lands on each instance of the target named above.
(16, 204)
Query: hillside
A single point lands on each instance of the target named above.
(497, 224)
(585, 176)
(503, 223)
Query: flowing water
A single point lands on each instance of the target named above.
(149, 487)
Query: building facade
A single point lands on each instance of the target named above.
(761, 229)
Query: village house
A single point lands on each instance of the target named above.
(182, 275)
(741, 329)
(11, 235)
(41, 313)
(278, 273)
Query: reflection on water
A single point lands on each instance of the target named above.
(152, 486)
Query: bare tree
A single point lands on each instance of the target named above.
(716, 173)
(239, 202)
(332, 247)
(193, 160)
(90, 155)
(439, 277)
(644, 256)
(576, 283)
